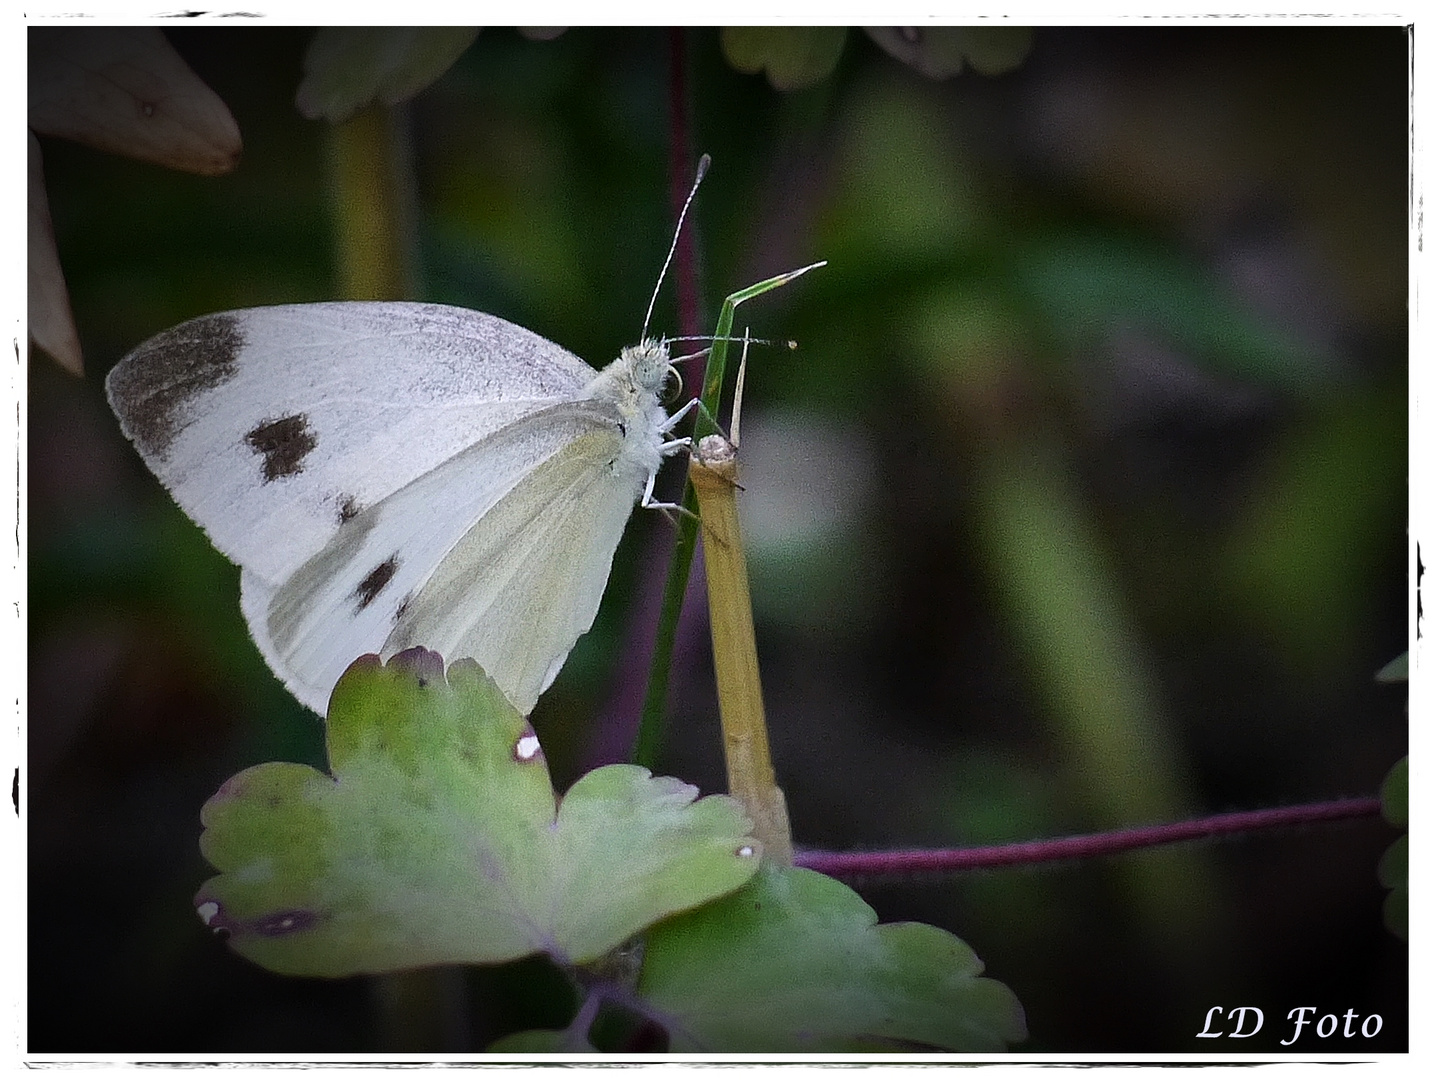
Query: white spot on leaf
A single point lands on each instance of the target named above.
(527, 747)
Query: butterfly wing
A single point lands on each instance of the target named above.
(500, 554)
(525, 582)
(388, 474)
(272, 427)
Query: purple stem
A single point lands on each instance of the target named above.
(679, 182)
(616, 725)
(847, 864)
(582, 1023)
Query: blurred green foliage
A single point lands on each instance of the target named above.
(792, 58)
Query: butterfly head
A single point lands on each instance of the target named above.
(649, 365)
(634, 382)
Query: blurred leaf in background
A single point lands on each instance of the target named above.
(346, 68)
(126, 91)
(1394, 863)
(793, 58)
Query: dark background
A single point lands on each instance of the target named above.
(1083, 504)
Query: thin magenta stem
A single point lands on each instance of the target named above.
(846, 864)
(648, 738)
(679, 176)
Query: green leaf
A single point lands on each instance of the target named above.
(1394, 863)
(1396, 912)
(1394, 875)
(346, 67)
(1397, 670)
(794, 58)
(1394, 793)
(794, 962)
(437, 838)
(939, 52)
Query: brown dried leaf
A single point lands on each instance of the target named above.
(125, 90)
(52, 325)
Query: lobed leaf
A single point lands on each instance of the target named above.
(1394, 793)
(794, 57)
(795, 962)
(436, 838)
(1394, 863)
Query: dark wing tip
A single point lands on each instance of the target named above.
(151, 390)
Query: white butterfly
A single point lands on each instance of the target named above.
(398, 474)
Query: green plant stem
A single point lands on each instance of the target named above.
(654, 705)
(372, 234)
(422, 1010)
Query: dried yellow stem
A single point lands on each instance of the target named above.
(750, 776)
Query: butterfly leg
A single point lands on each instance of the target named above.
(671, 446)
(649, 503)
(673, 420)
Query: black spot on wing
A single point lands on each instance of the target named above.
(348, 508)
(152, 388)
(283, 444)
(369, 588)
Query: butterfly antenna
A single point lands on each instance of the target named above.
(702, 165)
(732, 337)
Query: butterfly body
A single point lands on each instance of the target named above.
(395, 474)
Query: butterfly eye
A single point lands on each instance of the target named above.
(671, 385)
